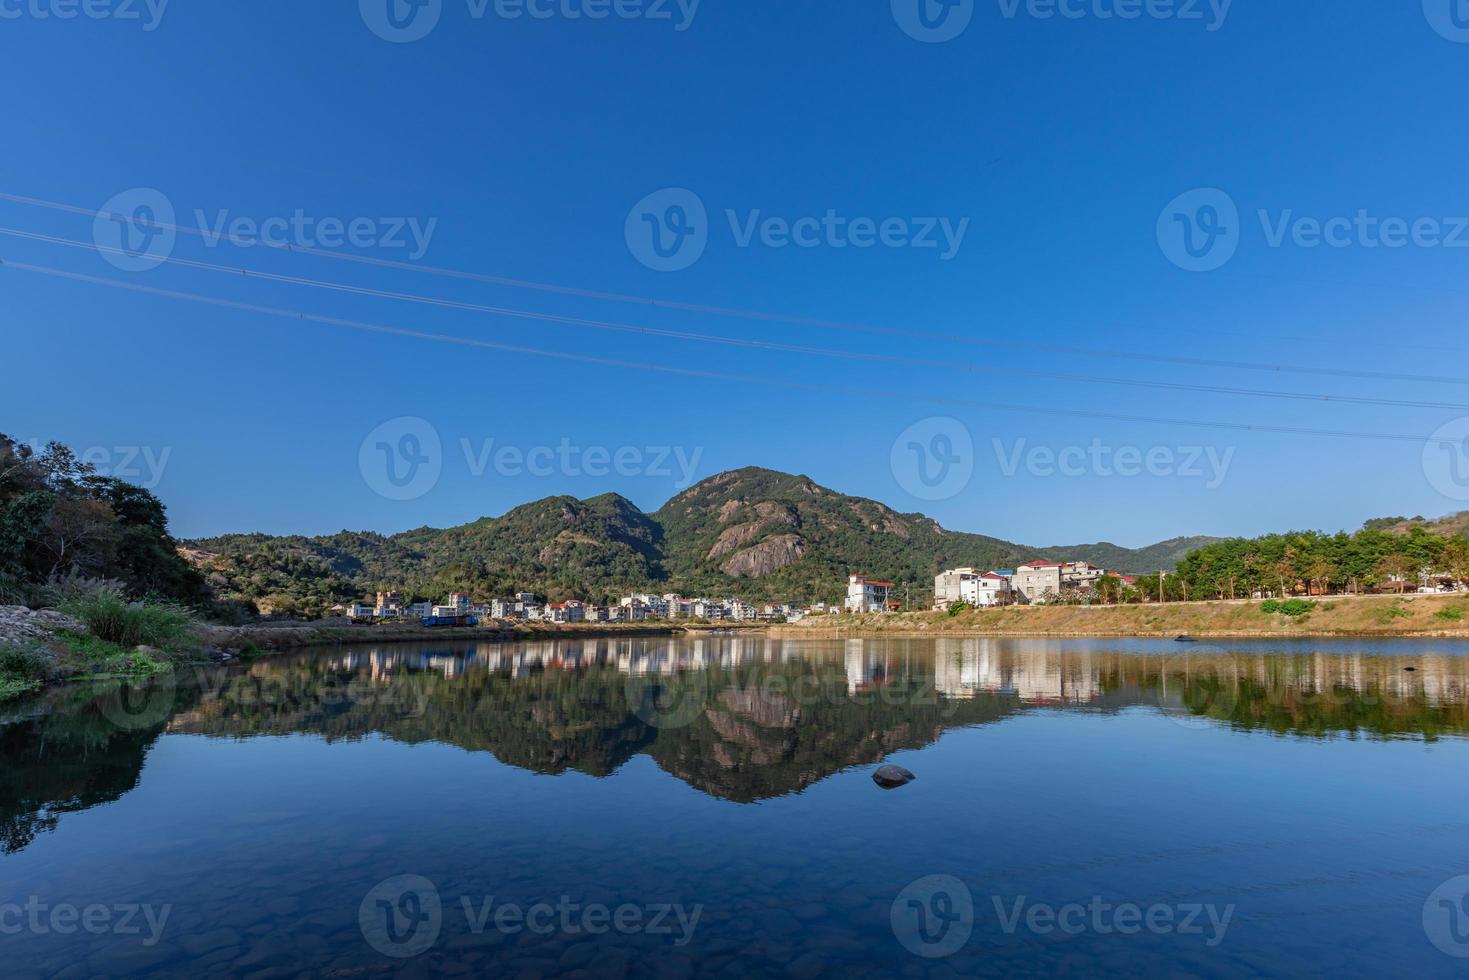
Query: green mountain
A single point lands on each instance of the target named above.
(752, 532)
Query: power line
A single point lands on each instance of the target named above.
(813, 322)
(694, 372)
(757, 344)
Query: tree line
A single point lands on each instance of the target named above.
(1303, 563)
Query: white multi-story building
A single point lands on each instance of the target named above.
(867, 595)
(989, 589)
(948, 587)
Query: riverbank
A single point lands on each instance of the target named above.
(278, 636)
(1385, 616)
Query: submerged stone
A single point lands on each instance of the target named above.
(891, 777)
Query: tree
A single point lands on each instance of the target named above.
(1399, 568)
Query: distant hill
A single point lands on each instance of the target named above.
(1450, 525)
(752, 532)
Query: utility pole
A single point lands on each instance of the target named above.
(1162, 587)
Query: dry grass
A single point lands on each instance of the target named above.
(1336, 616)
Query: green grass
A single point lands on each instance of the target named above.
(1453, 614)
(21, 671)
(110, 657)
(14, 687)
(154, 624)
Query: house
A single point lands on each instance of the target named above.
(460, 601)
(421, 610)
(948, 587)
(1038, 581)
(866, 595)
(389, 605)
(570, 611)
(742, 612)
(360, 610)
(989, 589)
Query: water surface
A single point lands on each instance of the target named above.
(1280, 809)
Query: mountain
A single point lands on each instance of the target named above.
(752, 532)
(1450, 525)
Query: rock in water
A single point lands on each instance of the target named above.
(891, 777)
(1184, 638)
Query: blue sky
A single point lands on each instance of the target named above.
(524, 144)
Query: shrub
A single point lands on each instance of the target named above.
(1288, 607)
(60, 590)
(955, 608)
(1452, 614)
(22, 662)
(115, 620)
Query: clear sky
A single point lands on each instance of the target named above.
(1051, 148)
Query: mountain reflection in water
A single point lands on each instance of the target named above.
(741, 719)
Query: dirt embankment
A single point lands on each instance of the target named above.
(1411, 615)
(283, 636)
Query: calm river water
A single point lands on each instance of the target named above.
(673, 808)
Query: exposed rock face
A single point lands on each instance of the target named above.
(735, 537)
(23, 626)
(766, 557)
